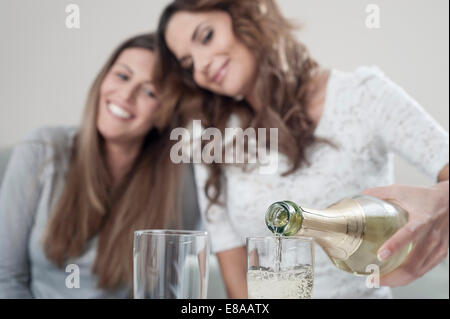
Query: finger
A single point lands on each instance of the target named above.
(406, 273)
(411, 232)
(433, 241)
(434, 260)
(381, 192)
(438, 243)
(397, 278)
(423, 250)
(417, 263)
(438, 255)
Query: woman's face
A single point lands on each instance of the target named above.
(205, 44)
(127, 97)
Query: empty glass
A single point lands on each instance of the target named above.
(280, 267)
(170, 264)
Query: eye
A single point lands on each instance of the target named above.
(122, 76)
(209, 35)
(150, 93)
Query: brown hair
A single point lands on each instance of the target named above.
(286, 73)
(90, 205)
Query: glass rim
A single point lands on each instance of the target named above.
(171, 232)
(259, 238)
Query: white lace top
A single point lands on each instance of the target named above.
(369, 118)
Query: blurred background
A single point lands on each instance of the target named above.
(47, 68)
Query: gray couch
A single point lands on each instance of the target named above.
(4, 157)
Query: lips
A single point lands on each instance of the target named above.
(220, 73)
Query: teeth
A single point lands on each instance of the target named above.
(221, 74)
(118, 111)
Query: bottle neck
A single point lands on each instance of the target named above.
(337, 229)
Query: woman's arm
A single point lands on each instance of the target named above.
(18, 198)
(400, 125)
(427, 228)
(225, 241)
(234, 272)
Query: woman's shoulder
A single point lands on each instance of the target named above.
(351, 94)
(51, 134)
(370, 78)
(46, 142)
(41, 152)
(51, 137)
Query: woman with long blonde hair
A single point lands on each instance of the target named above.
(72, 198)
(237, 63)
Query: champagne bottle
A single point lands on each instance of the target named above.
(350, 231)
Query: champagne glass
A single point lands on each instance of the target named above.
(170, 264)
(280, 267)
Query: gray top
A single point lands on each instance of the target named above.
(33, 180)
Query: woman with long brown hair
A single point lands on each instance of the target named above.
(236, 63)
(72, 197)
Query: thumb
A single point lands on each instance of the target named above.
(380, 192)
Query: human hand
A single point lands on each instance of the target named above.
(427, 229)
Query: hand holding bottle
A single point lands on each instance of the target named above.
(427, 229)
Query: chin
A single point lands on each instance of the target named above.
(115, 138)
(233, 91)
(108, 132)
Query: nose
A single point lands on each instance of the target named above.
(202, 62)
(128, 92)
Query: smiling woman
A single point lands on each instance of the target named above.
(128, 96)
(76, 195)
(127, 104)
(226, 67)
(237, 63)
